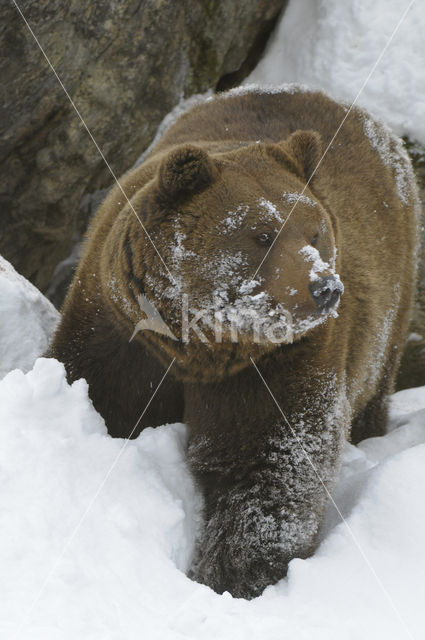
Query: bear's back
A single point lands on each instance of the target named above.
(358, 150)
(247, 115)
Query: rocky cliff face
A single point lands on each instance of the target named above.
(125, 64)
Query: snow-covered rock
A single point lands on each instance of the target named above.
(27, 321)
(334, 45)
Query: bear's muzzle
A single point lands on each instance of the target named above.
(326, 292)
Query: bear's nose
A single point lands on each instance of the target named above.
(326, 292)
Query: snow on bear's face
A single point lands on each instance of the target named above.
(252, 257)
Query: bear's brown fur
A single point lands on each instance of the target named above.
(213, 195)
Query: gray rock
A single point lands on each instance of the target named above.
(125, 64)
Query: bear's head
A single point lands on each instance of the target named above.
(241, 255)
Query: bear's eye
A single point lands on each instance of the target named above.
(314, 239)
(265, 239)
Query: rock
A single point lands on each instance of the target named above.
(412, 369)
(125, 65)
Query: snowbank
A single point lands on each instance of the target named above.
(113, 578)
(27, 319)
(95, 535)
(333, 45)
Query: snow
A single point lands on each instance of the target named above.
(256, 314)
(393, 154)
(229, 307)
(265, 87)
(96, 533)
(311, 254)
(27, 320)
(268, 212)
(295, 197)
(334, 45)
(234, 219)
(55, 455)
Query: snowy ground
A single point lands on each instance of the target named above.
(95, 534)
(82, 557)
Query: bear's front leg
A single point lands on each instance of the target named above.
(264, 478)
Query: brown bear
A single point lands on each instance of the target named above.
(276, 263)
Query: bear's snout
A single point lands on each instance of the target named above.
(326, 292)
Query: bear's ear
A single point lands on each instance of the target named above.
(184, 171)
(301, 152)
